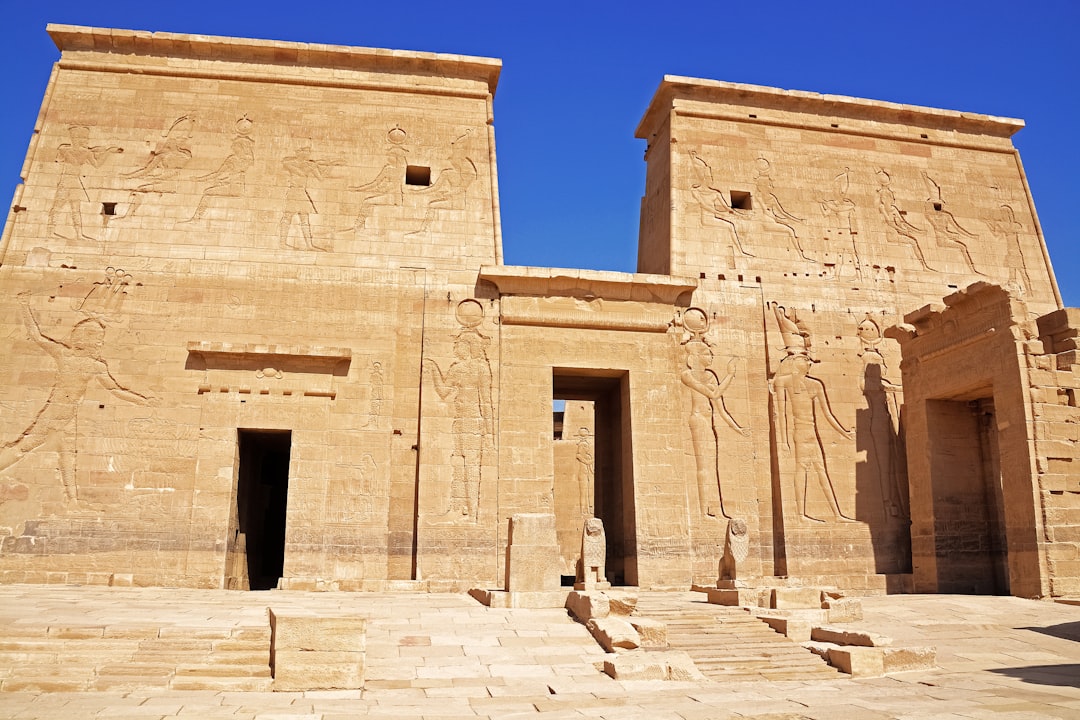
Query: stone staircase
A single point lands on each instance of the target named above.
(728, 643)
(114, 658)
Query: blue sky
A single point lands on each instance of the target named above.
(577, 77)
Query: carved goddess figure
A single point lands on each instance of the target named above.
(78, 361)
(70, 191)
(800, 399)
(585, 471)
(466, 384)
(883, 409)
(228, 179)
(706, 404)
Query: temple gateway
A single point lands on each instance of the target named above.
(258, 333)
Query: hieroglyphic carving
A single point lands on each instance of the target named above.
(706, 404)
(375, 387)
(70, 191)
(467, 383)
(773, 208)
(586, 469)
(228, 179)
(592, 570)
(388, 187)
(840, 209)
(799, 399)
(106, 297)
(899, 229)
(159, 173)
(713, 205)
(947, 230)
(1004, 224)
(355, 499)
(883, 407)
(449, 190)
(302, 170)
(78, 361)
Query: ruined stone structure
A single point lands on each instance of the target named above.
(257, 333)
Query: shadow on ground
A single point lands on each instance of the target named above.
(1067, 631)
(1063, 675)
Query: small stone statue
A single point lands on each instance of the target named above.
(591, 571)
(736, 549)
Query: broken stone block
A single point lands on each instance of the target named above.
(849, 637)
(843, 609)
(588, 605)
(909, 658)
(652, 633)
(858, 661)
(638, 665)
(532, 553)
(614, 633)
(622, 602)
(797, 597)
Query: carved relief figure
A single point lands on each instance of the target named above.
(1003, 223)
(840, 209)
(706, 405)
(946, 228)
(388, 187)
(299, 204)
(800, 400)
(899, 229)
(449, 190)
(375, 383)
(161, 169)
(228, 179)
(883, 408)
(586, 468)
(355, 499)
(78, 361)
(770, 203)
(467, 385)
(714, 206)
(70, 191)
(107, 296)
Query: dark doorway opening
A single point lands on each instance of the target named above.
(262, 489)
(969, 513)
(612, 477)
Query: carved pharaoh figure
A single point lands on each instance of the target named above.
(467, 385)
(841, 210)
(800, 399)
(1004, 224)
(78, 361)
(70, 191)
(302, 171)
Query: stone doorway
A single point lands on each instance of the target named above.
(966, 482)
(256, 556)
(607, 438)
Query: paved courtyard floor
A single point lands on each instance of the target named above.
(445, 656)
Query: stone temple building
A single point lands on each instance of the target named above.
(257, 332)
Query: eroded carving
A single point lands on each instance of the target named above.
(356, 498)
(773, 208)
(947, 230)
(375, 387)
(706, 404)
(899, 229)
(78, 361)
(107, 296)
(159, 173)
(714, 207)
(388, 186)
(799, 400)
(229, 179)
(467, 384)
(883, 411)
(302, 170)
(840, 211)
(70, 190)
(586, 468)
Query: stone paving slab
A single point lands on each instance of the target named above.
(445, 656)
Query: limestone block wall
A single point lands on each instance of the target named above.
(845, 214)
(217, 237)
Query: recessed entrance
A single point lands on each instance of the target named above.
(969, 519)
(597, 403)
(257, 536)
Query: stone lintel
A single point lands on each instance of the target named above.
(589, 284)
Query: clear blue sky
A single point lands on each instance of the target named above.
(578, 75)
